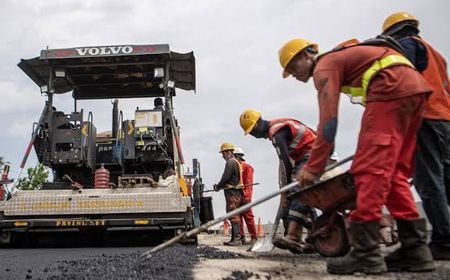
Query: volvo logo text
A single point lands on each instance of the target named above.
(105, 50)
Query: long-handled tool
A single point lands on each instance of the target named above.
(254, 184)
(36, 130)
(266, 244)
(194, 231)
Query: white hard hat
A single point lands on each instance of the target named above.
(334, 156)
(238, 151)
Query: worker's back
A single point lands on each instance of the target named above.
(349, 64)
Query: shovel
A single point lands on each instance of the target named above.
(265, 244)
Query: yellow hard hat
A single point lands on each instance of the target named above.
(248, 120)
(290, 49)
(226, 146)
(398, 17)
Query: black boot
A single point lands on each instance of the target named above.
(440, 252)
(235, 236)
(365, 255)
(414, 254)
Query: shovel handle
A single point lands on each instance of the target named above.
(254, 184)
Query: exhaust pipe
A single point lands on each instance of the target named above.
(115, 118)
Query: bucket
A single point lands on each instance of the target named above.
(206, 209)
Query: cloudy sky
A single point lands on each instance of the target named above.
(236, 45)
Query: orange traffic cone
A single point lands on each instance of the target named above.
(226, 228)
(260, 232)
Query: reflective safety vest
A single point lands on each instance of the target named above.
(299, 132)
(438, 104)
(358, 94)
(241, 182)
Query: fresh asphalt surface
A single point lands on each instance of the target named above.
(84, 262)
(38, 262)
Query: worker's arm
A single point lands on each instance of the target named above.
(327, 83)
(226, 174)
(280, 141)
(415, 52)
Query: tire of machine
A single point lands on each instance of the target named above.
(334, 242)
(5, 238)
(193, 240)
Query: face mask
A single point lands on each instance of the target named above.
(260, 130)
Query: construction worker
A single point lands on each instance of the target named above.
(376, 75)
(292, 141)
(232, 185)
(158, 103)
(432, 161)
(247, 179)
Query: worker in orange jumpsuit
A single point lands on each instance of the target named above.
(293, 142)
(247, 179)
(376, 75)
(432, 172)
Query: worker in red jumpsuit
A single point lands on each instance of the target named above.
(376, 75)
(293, 142)
(432, 162)
(247, 179)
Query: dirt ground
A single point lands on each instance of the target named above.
(281, 264)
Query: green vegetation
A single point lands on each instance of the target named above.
(36, 176)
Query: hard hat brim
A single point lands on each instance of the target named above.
(250, 128)
(397, 27)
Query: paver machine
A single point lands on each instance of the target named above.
(126, 179)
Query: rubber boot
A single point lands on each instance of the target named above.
(308, 247)
(295, 231)
(365, 255)
(440, 252)
(414, 253)
(235, 236)
(243, 241)
(290, 240)
(252, 241)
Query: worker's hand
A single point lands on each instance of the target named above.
(305, 178)
(216, 188)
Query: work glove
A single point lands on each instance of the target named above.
(306, 178)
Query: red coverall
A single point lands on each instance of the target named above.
(383, 162)
(247, 179)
